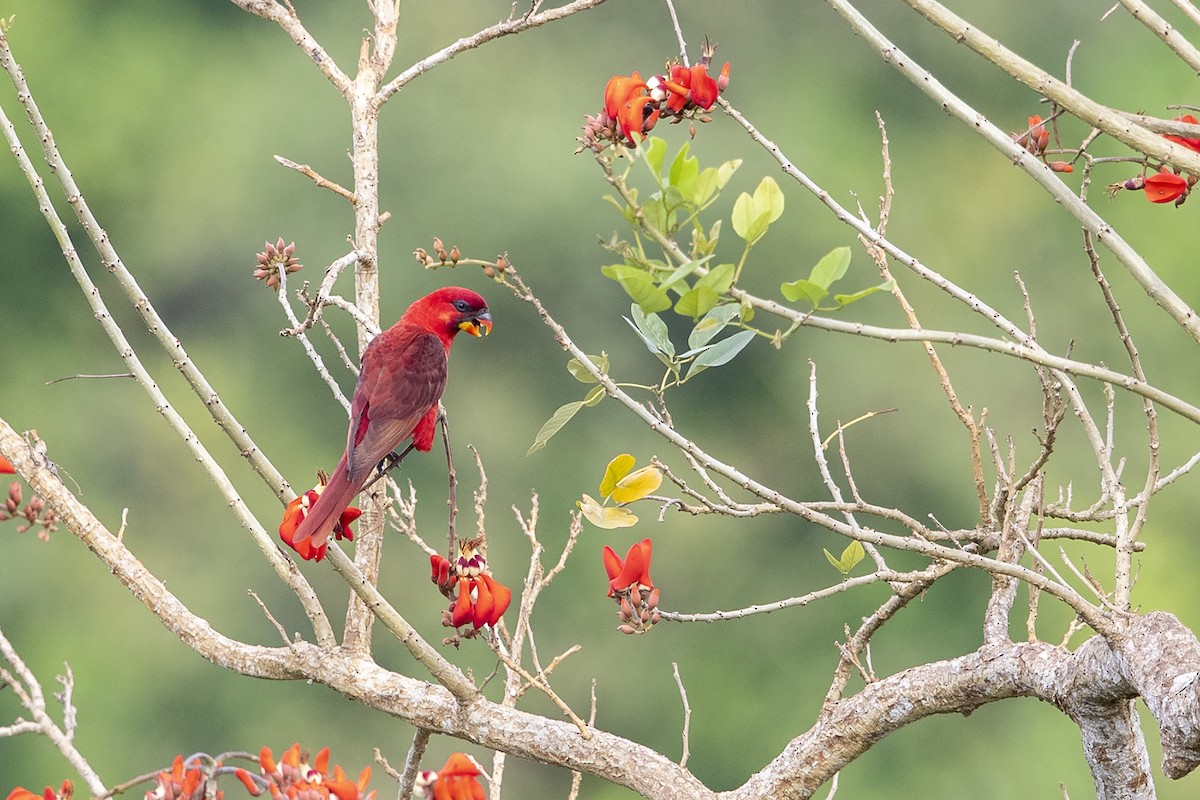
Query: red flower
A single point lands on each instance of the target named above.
(294, 778)
(481, 599)
(626, 104)
(295, 513)
(633, 571)
(182, 784)
(21, 793)
(630, 585)
(1164, 186)
(620, 90)
(458, 779)
(1191, 144)
(6, 467)
(703, 88)
(632, 106)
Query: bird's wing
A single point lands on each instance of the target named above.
(402, 377)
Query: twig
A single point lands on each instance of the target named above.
(25, 686)
(270, 617)
(543, 687)
(318, 179)
(505, 28)
(687, 714)
(81, 375)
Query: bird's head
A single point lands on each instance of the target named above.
(450, 310)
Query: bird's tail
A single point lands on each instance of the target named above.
(324, 514)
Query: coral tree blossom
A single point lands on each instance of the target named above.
(632, 106)
(21, 793)
(458, 779)
(480, 599)
(1164, 186)
(295, 513)
(294, 778)
(630, 585)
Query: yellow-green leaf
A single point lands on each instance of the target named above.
(637, 485)
(853, 554)
(607, 517)
(769, 197)
(617, 468)
(561, 417)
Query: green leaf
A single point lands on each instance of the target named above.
(853, 554)
(696, 302)
(804, 290)
(704, 187)
(624, 210)
(835, 562)
(617, 468)
(847, 299)
(721, 353)
(682, 271)
(656, 150)
(653, 329)
(560, 417)
(831, 268)
(580, 372)
(769, 197)
(594, 396)
(661, 212)
(719, 279)
(712, 324)
(744, 213)
(639, 286)
(725, 172)
(850, 557)
(757, 228)
(684, 172)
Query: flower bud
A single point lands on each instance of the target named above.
(626, 629)
(454, 254)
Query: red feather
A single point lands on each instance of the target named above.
(401, 381)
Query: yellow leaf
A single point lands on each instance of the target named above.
(637, 485)
(605, 517)
(617, 468)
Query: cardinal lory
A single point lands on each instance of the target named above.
(402, 378)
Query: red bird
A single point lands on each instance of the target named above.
(402, 378)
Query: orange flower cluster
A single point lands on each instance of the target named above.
(633, 106)
(297, 510)
(630, 585)
(21, 793)
(481, 599)
(1036, 139)
(1166, 185)
(6, 467)
(183, 784)
(293, 778)
(457, 780)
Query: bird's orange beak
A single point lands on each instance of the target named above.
(479, 325)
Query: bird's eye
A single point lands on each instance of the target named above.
(462, 305)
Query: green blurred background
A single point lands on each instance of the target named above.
(169, 115)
